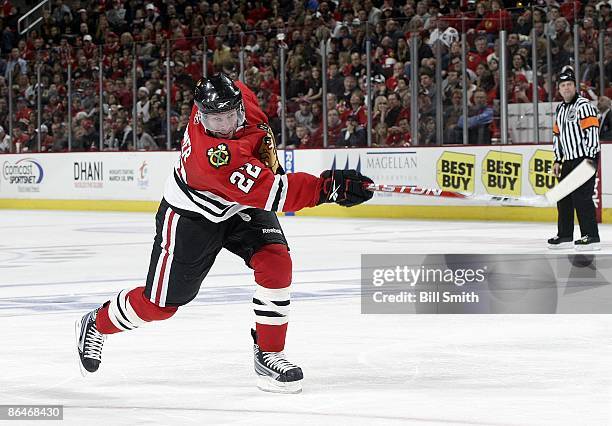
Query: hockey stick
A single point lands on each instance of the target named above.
(573, 180)
(440, 193)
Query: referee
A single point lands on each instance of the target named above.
(575, 138)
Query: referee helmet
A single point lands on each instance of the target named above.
(567, 74)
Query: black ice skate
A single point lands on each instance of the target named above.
(89, 343)
(559, 243)
(274, 372)
(587, 243)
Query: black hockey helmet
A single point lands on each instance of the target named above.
(220, 105)
(567, 74)
(217, 93)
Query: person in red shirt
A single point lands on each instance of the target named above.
(357, 108)
(570, 9)
(23, 110)
(194, 69)
(495, 19)
(20, 136)
(523, 91)
(334, 127)
(399, 135)
(482, 51)
(270, 82)
(223, 193)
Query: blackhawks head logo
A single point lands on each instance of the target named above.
(219, 156)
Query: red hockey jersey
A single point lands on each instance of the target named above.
(218, 177)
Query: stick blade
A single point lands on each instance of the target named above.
(575, 179)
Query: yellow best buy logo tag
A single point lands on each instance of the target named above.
(455, 172)
(540, 167)
(502, 173)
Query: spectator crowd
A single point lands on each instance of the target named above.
(130, 42)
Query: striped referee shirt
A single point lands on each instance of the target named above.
(575, 130)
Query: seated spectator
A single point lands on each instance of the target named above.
(589, 69)
(317, 117)
(395, 110)
(451, 117)
(400, 135)
(122, 132)
(143, 105)
(497, 19)
(355, 68)
(350, 84)
(290, 132)
(23, 110)
(398, 72)
(177, 130)
(270, 82)
(519, 66)
(379, 86)
(302, 137)
(450, 84)
(16, 64)
(60, 137)
(46, 141)
(335, 81)
(303, 117)
(427, 131)
(315, 90)
(380, 134)
(380, 110)
(84, 135)
(560, 57)
(480, 117)
(20, 136)
(427, 84)
(480, 53)
(353, 135)
(144, 141)
(426, 106)
(333, 103)
(402, 88)
(356, 108)
(5, 142)
(334, 126)
(523, 91)
(605, 120)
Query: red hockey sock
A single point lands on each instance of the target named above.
(129, 310)
(272, 267)
(271, 338)
(103, 322)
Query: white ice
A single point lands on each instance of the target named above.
(196, 368)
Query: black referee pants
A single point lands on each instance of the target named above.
(582, 201)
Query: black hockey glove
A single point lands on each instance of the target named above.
(344, 187)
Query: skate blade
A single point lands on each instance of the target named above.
(77, 332)
(589, 247)
(561, 246)
(268, 384)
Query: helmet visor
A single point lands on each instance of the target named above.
(223, 125)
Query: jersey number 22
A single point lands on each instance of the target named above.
(242, 177)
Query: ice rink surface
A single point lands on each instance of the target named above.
(197, 368)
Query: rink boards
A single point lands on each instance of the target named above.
(134, 181)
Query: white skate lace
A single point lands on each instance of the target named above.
(93, 344)
(277, 361)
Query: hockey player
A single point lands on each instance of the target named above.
(223, 193)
